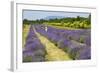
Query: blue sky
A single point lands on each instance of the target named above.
(34, 15)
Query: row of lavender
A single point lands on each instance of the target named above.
(33, 50)
(75, 42)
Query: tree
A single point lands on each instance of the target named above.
(78, 18)
(25, 21)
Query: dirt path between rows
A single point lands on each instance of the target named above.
(53, 52)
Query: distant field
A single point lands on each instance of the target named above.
(71, 26)
(63, 27)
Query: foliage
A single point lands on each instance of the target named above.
(78, 22)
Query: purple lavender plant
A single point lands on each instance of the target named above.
(34, 50)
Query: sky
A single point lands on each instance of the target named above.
(34, 15)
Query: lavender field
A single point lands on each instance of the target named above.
(57, 39)
(75, 43)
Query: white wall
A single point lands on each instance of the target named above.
(5, 35)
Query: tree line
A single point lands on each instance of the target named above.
(75, 22)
